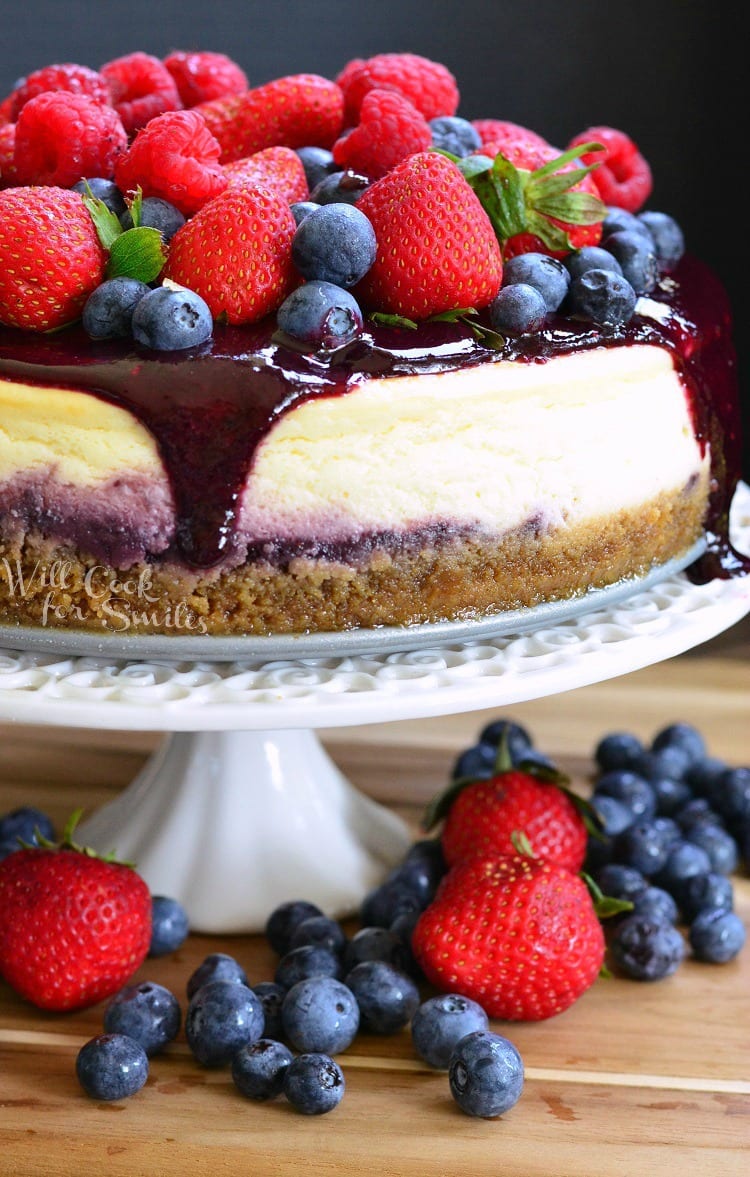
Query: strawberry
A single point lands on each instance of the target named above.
(236, 252)
(484, 817)
(389, 130)
(302, 110)
(50, 257)
(428, 85)
(174, 157)
(519, 936)
(73, 927)
(536, 199)
(8, 177)
(624, 176)
(436, 248)
(277, 168)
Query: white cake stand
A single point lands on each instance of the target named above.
(242, 808)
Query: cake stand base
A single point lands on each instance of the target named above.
(206, 818)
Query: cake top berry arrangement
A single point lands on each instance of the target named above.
(161, 198)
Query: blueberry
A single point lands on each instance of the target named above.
(147, 1012)
(485, 1074)
(426, 855)
(339, 188)
(309, 960)
(516, 737)
(545, 274)
(684, 736)
(112, 1066)
(318, 163)
(683, 860)
(104, 190)
(320, 313)
(314, 1084)
(108, 311)
(390, 899)
(258, 1068)
(455, 135)
(645, 846)
(656, 905)
(284, 919)
(156, 214)
(476, 762)
(387, 998)
(591, 257)
(716, 935)
(703, 775)
(670, 761)
(629, 788)
(668, 238)
(620, 882)
(703, 892)
(320, 930)
(23, 824)
(603, 297)
(441, 1022)
(301, 209)
(171, 320)
(732, 794)
(271, 997)
(533, 758)
(518, 310)
(646, 949)
(335, 244)
(614, 815)
(617, 750)
(637, 257)
(377, 943)
(320, 1014)
(169, 925)
(417, 877)
(618, 220)
(222, 1017)
(217, 966)
(671, 795)
(697, 812)
(719, 845)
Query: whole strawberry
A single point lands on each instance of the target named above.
(73, 927)
(436, 247)
(519, 936)
(485, 817)
(236, 252)
(277, 168)
(50, 257)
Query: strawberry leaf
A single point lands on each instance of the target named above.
(392, 320)
(108, 227)
(605, 905)
(135, 207)
(137, 253)
(521, 844)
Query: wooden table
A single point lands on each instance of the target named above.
(635, 1080)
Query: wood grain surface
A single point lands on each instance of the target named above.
(635, 1080)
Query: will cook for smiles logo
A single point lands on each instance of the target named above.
(119, 603)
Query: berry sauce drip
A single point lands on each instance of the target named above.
(209, 408)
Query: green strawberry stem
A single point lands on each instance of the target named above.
(67, 843)
(605, 905)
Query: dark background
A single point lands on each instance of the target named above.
(669, 72)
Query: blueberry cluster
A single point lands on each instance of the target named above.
(24, 827)
(477, 762)
(600, 284)
(166, 318)
(676, 825)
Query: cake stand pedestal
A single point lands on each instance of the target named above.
(242, 808)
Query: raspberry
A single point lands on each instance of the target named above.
(277, 168)
(201, 77)
(141, 87)
(624, 177)
(75, 79)
(176, 158)
(7, 151)
(390, 129)
(522, 147)
(63, 137)
(428, 85)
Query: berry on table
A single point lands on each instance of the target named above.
(321, 930)
(719, 844)
(309, 960)
(217, 966)
(26, 824)
(514, 736)
(320, 1014)
(258, 1068)
(169, 925)
(170, 319)
(271, 997)
(111, 1067)
(320, 313)
(377, 943)
(700, 893)
(716, 935)
(441, 1022)
(626, 786)
(486, 1074)
(108, 312)
(617, 749)
(387, 998)
(147, 1012)
(335, 244)
(314, 1084)
(221, 1017)
(656, 905)
(646, 949)
(284, 919)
